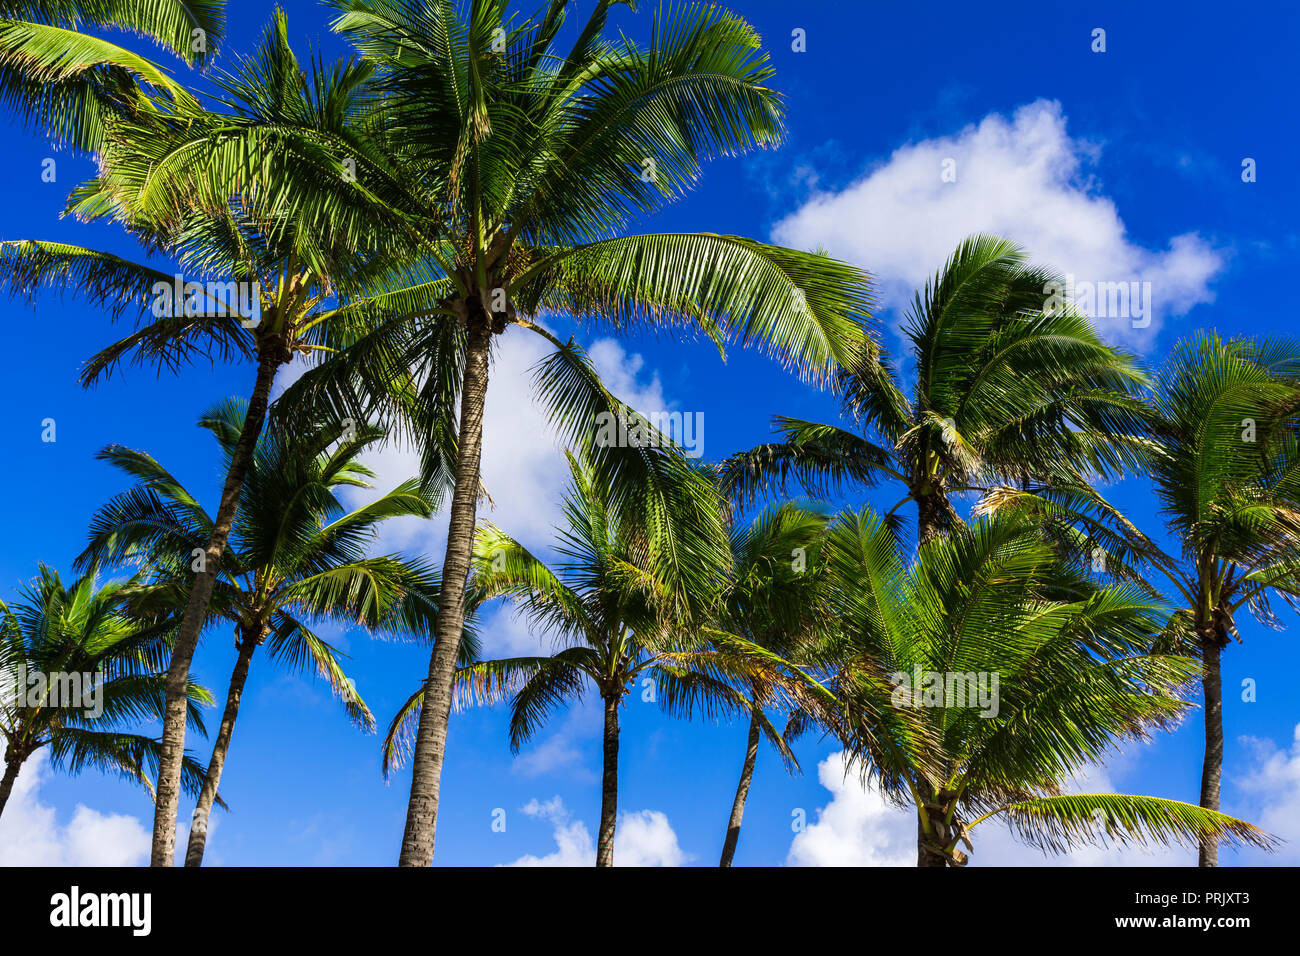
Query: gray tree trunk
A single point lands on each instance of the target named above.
(431, 737)
(199, 828)
(609, 785)
(929, 508)
(172, 750)
(926, 855)
(12, 767)
(742, 793)
(1212, 767)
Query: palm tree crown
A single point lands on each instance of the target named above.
(296, 556)
(1225, 465)
(1020, 672)
(1006, 388)
(71, 86)
(75, 669)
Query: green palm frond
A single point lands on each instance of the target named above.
(72, 87)
(1057, 824)
(808, 310)
(299, 647)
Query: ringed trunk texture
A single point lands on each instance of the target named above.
(12, 767)
(199, 828)
(926, 855)
(1212, 768)
(431, 738)
(196, 611)
(929, 508)
(609, 785)
(742, 793)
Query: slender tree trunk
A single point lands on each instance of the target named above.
(270, 356)
(609, 785)
(929, 508)
(431, 738)
(1212, 768)
(199, 828)
(742, 792)
(12, 766)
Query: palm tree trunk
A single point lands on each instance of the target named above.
(431, 738)
(199, 828)
(12, 766)
(742, 792)
(929, 507)
(609, 785)
(172, 750)
(925, 854)
(1212, 768)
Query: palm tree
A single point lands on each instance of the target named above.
(534, 158)
(71, 86)
(1226, 470)
(304, 287)
(75, 669)
(295, 556)
(611, 606)
(1022, 671)
(490, 177)
(776, 599)
(1007, 388)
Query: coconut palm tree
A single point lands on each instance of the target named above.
(610, 606)
(1007, 387)
(519, 164)
(70, 86)
(1226, 471)
(776, 598)
(536, 157)
(296, 556)
(1024, 673)
(75, 670)
(264, 289)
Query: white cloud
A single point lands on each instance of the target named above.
(1024, 178)
(523, 466)
(1271, 791)
(857, 828)
(31, 834)
(556, 752)
(641, 838)
(621, 374)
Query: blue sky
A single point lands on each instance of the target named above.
(1117, 166)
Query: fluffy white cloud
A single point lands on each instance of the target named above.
(523, 466)
(1024, 178)
(642, 838)
(31, 834)
(857, 828)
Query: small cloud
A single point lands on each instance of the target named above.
(556, 752)
(641, 838)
